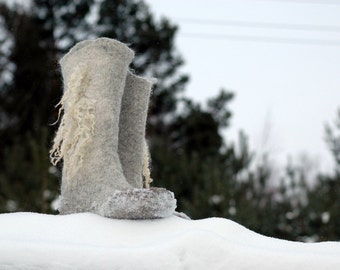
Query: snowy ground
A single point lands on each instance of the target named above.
(87, 241)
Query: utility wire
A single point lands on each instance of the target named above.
(268, 25)
(320, 2)
(297, 41)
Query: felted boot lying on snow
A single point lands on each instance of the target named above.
(94, 75)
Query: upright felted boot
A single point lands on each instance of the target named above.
(94, 74)
(133, 151)
(132, 148)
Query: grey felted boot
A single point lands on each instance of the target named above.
(94, 75)
(133, 151)
(132, 147)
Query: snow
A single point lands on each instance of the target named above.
(88, 241)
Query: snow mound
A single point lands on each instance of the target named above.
(87, 241)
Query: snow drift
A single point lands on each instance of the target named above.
(87, 241)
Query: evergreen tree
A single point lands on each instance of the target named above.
(194, 161)
(333, 140)
(323, 209)
(24, 103)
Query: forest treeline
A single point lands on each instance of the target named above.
(209, 175)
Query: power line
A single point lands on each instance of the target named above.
(268, 25)
(317, 2)
(296, 41)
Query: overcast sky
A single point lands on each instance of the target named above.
(280, 58)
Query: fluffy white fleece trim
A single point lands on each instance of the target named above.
(77, 123)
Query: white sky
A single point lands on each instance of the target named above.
(285, 92)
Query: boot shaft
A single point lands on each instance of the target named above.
(94, 74)
(132, 124)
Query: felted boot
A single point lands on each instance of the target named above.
(133, 151)
(94, 74)
(132, 148)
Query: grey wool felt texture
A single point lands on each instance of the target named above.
(105, 63)
(101, 137)
(132, 123)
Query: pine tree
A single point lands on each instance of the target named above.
(324, 198)
(24, 103)
(194, 161)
